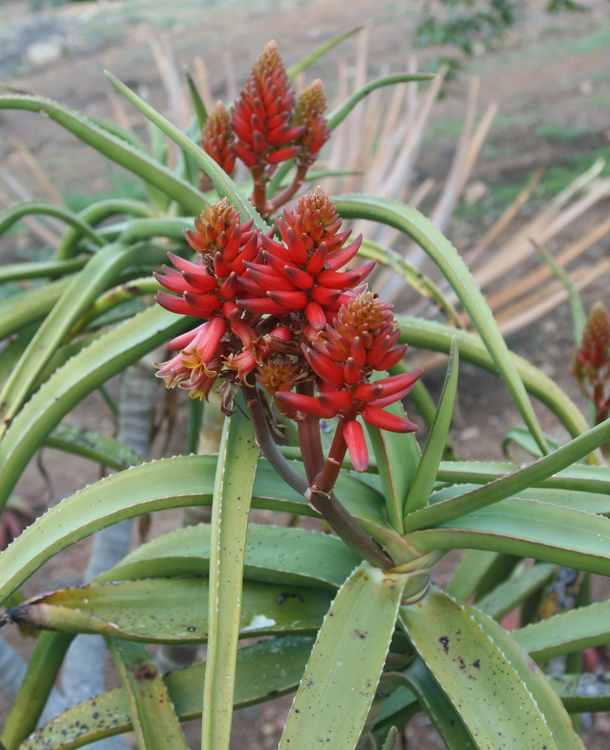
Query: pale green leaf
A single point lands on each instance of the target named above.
(436, 443)
(337, 689)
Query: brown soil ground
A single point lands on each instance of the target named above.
(551, 74)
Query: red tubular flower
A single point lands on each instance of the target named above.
(217, 140)
(263, 113)
(361, 339)
(300, 273)
(309, 113)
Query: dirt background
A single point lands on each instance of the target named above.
(551, 79)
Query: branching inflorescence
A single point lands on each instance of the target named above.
(284, 319)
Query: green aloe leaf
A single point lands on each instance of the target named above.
(593, 479)
(21, 309)
(31, 208)
(43, 666)
(527, 528)
(98, 448)
(336, 118)
(173, 610)
(337, 689)
(397, 456)
(513, 592)
(409, 221)
(153, 717)
(511, 484)
(438, 707)
(582, 693)
(565, 633)
(430, 335)
(48, 269)
(115, 149)
(478, 573)
(501, 699)
(95, 214)
(177, 482)
(85, 286)
(436, 443)
(223, 184)
(90, 368)
(311, 59)
(521, 437)
(577, 309)
(199, 108)
(412, 275)
(269, 668)
(232, 498)
(390, 740)
(274, 554)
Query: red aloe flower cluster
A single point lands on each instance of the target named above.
(362, 338)
(218, 141)
(591, 366)
(268, 126)
(281, 310)
(301, 271)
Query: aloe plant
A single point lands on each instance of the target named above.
(265, 311)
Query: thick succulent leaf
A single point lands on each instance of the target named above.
(434, 449)
(170, 610)
(274, 554)
(438, 707)
(231, 501)
(567, 632)
(107, 356)
(43, 666)
(96, 213)
(336, 118)
(593, 479)
(582, 693)
(30, 208)
(478, 573)
(544, 696)
(153, 717)
(450, 263)
(513, 592)
(88, 444)
(422, 284)
(511, 484)
(311, 59)
(264, 670)
(527, 528)
(390, 740)
(500, 698)
(176, 482)
(337, 689)
(521, 437)
(588, 502)
(115, 149)
(84, 288)
(18, 310)
(223, 184)
(199, 109)
(430, 335)
(45, 269)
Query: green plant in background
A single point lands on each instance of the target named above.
(464, 25)
(268, 314)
